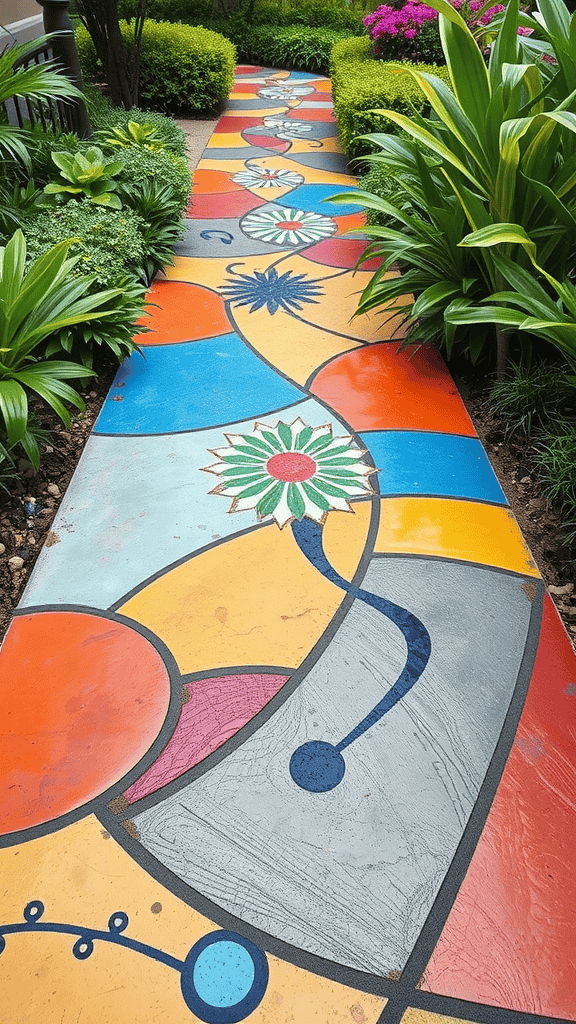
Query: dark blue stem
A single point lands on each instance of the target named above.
(308, 536)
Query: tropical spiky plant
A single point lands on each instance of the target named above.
(35, 81)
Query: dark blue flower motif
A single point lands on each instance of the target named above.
(270, 290)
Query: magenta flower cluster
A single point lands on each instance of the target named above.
(385, 21)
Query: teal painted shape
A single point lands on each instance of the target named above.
(313, 198)
(190, 386)
(421, 462)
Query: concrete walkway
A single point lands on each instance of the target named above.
(288, 716)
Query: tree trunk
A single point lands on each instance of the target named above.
(121, 63)
(501, 353)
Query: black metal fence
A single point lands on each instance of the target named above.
(62, 115)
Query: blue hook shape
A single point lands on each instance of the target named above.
(318, 766)
(226, 240)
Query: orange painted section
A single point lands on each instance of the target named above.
(380, 388)
(510, 939)
(207, 183)
(182, 312)
(83, 699)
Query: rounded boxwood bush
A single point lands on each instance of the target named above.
(181, 67)
(360, 83)
(163, 167)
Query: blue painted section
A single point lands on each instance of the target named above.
(224, 978)
(318, 766)
(190, 386)
(420, 462)
(313, 198)
(223, 973)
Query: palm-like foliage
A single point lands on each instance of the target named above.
(36, 303)
(37, 81)
(498, 151)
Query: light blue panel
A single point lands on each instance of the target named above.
(313, 197)
(223, 973)
(137, 504)
(419, 462)
(191, 386)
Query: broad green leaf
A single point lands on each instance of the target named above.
(268, 503)
(14, 409)
(505, 47)
(501, 234)
(466, 67)
(295, 501)
(450, 112)
(432, 143)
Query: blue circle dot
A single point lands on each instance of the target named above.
(223, 973)
(317, 766)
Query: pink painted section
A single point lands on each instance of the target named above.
(218, 707)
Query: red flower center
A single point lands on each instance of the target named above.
(291, 225)
(291, 466)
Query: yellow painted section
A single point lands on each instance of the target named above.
(227, 140)
(230, 166)
(339, 301)
(313, 175)
(264, 112)
(83, 876)
(450, 528)
(294, 348)
(211, 273)
(329, 145)
(254, 600)
(413, 1016)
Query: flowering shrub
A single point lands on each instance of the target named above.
(409, 30)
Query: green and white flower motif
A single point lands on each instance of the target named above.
(285, 92)
(263, 177)
(287, 226)
(291, 471)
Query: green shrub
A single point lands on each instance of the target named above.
(313, 13)
(291, 46)
(360, 84)
(381, 182)
(110, 242)
(104, 116)
(181, 67)
(164, 168)
(555, 458)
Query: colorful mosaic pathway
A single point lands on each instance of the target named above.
(288, 717)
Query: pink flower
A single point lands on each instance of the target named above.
(524, 31)
(410, 33)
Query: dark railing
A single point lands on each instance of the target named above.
(62, 115)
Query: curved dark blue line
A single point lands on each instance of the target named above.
(308, 536)
(90, 934)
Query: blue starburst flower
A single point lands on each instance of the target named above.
(270, 290)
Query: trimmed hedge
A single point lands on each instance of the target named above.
(313, 13)
(360, 83)
(181, 67)
(297, 47)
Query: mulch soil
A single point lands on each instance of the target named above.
(28, 510)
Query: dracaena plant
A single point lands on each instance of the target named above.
(86, 174)
(35, 303)
(522, 304)
(497, 148)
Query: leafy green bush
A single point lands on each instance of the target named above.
(360, 83)
(381, 182)
(292, 46)
(42, 143)
(161, 226)
(181, 67)
(313, 13)
(104, 116)
(110, 246)
(555, 457)
(140, 165)
(108, 243)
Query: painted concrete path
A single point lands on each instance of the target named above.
(289, 719)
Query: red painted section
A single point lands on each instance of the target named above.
(216, 709)
(312, 113)
(379, 388)
(170, 321)
(341, 252)
(266, 142)
(511, 937)
(223, 204)
(237, 124)
(248, 69)
(83, 699)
